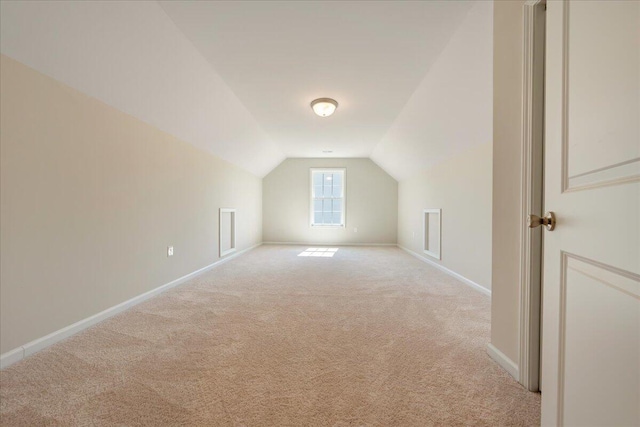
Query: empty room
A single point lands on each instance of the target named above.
(320, 213)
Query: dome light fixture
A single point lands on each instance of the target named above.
(324, 107)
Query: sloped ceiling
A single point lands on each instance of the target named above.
(236, 78)
(451, 110)
(130, 55)
(279, 56)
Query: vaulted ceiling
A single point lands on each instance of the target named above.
(236, 78)
(279, 56)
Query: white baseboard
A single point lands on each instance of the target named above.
(460, 277)
(326, 244)
(34, 346)
(501, 359)
(11, 357)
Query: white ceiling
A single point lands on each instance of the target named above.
(236, 78)
(131, 56)
(452, 108)
(279, 56)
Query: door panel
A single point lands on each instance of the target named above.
(596, 386)
(603, 53)
(591, 320)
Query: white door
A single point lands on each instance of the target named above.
(591, 306)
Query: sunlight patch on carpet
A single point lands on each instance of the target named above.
(319, 252)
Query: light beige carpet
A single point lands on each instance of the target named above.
(369, 337)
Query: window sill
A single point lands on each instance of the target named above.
(326, 226)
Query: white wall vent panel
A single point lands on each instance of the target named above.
(227, 234)
(432, 235)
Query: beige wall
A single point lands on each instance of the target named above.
(461, 187)
(507, 116)
(450, 111)
(440, 150)
(371, 204)
(90, 199)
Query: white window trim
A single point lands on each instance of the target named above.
(344, 197)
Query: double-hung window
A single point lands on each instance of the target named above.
(327, 197)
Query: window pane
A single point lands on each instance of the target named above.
(317, 217)
(317, 178)
(327, 217)
(317, 191)
(337, 191)
(337, 216)
(337, 178)
(326, 206)
(337, 205)
(327, 189)
(317, 205)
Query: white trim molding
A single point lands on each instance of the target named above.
(460, 277)
(17, 354)
(531, 191)
(501, 359)
(11, 357)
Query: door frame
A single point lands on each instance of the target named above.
(532, 192)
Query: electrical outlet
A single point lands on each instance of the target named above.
(169, 250)
(355, 229)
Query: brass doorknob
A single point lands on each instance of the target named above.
(548, 220)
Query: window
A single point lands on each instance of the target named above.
(327, 197)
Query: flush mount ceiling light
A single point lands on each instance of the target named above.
(324, 107)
